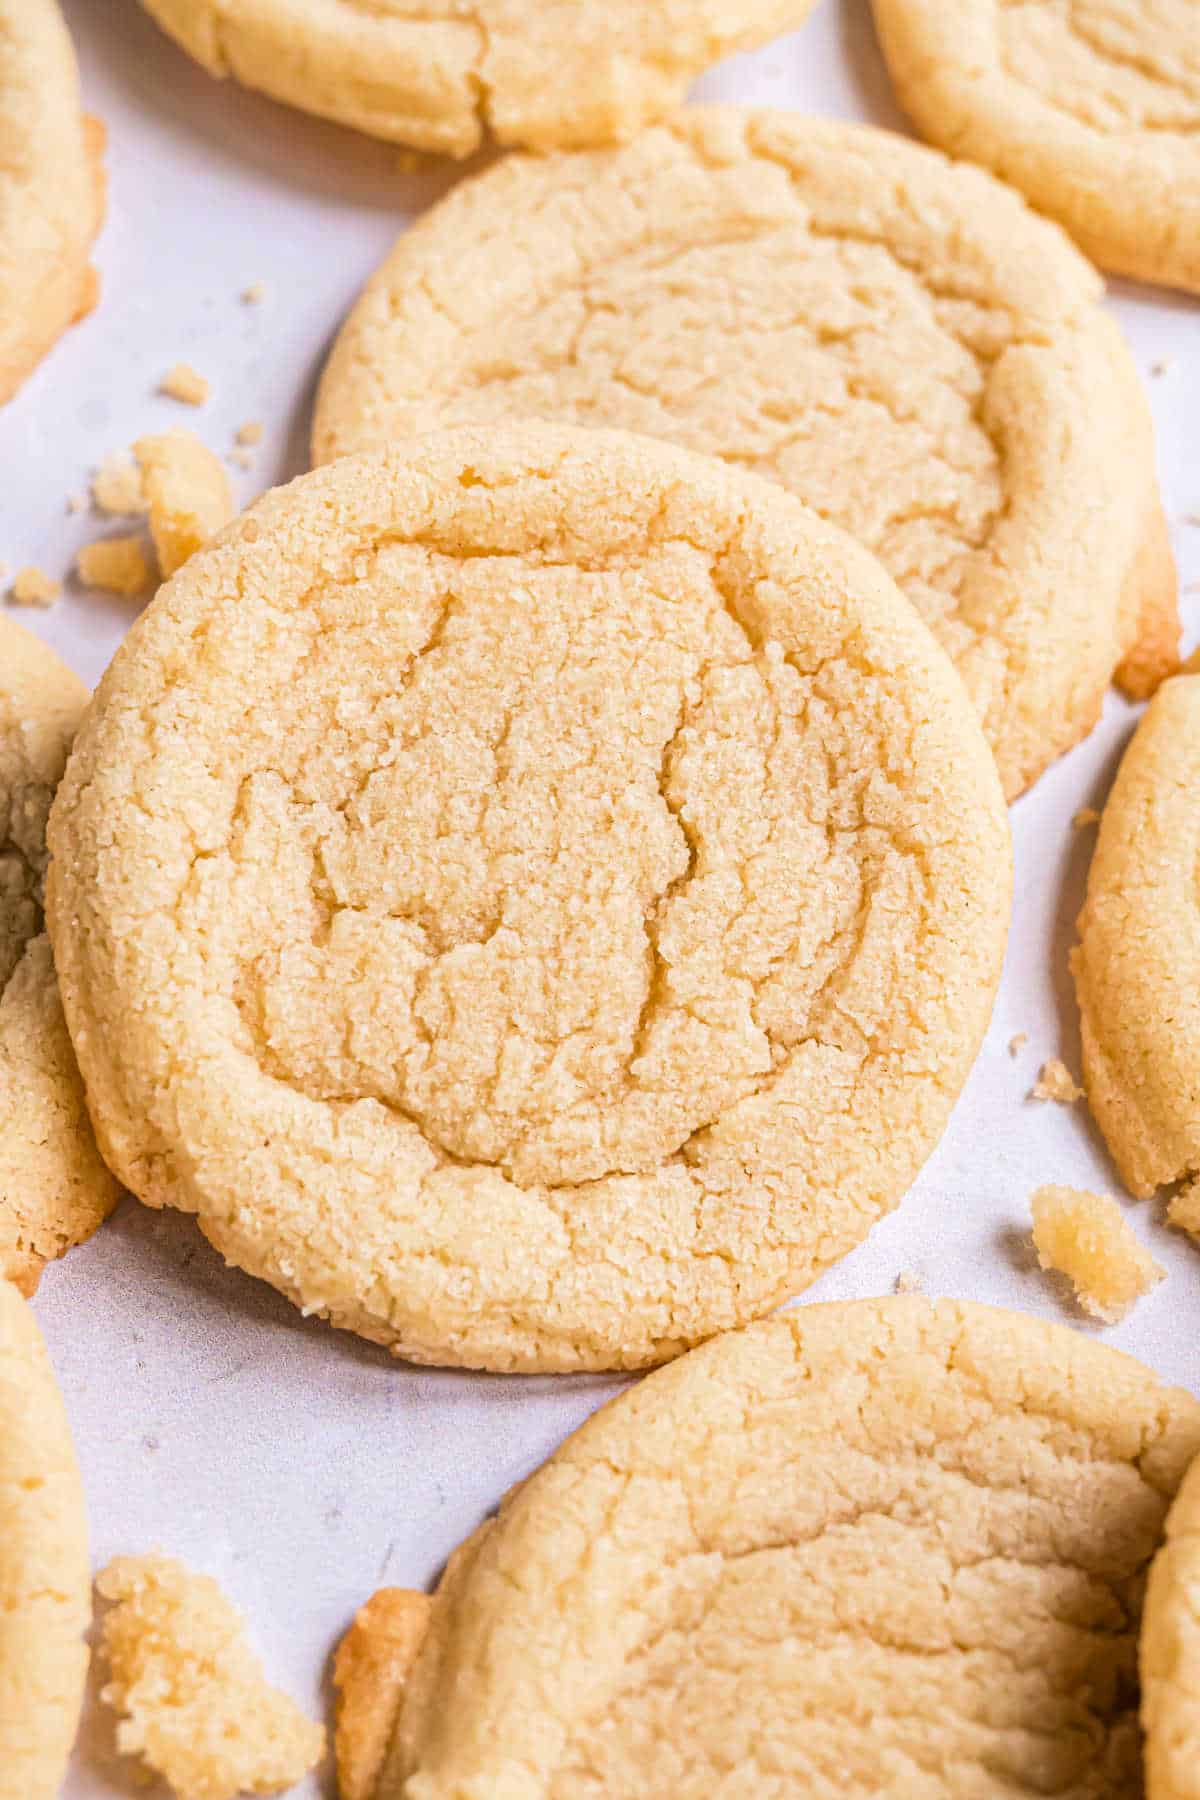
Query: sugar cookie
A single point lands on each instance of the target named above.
(535, 895)
(54, 1189)
(1170, 1654)
(439, 74)
(1137, 964)
(1090, 107)
(894, 337)
(45, 1582)
(51, 188)
(878, 1548)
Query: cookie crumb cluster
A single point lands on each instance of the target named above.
(179, 485)
(1055, 1082)
(196, 1706)
(33, 587)
(1087, 1238)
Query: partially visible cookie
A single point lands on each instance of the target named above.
(1090, 107)
(51, 188)
(883, 1548)
(196, 1706)
(54, 1189)
(1170, 1654)
(534, 894)
(370, 1669)
(1137, 964)
(895, 338)
(439, 75)
(45, 1583)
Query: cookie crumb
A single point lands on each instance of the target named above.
(182, 382)
(255, 294)
(117, 486)
(1085, 1237)
(251, 432)
(33, 587)
(198, 1710)
(1056, 1083)
(76, 503)
(117, 565)
(1183, 1209)
(908, 1282)
(1162, 365)
(1017, 1042)
(187, 494)
(1087, 815)
(370, 1667)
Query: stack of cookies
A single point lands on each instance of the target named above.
(535, 887)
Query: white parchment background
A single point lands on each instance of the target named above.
(300, 1467)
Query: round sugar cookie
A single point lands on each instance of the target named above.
(1137, 964)
(895, 338)
(1090, 107)
(534, 894)
(884, 1547)
(51, 188)
(45, 1580)
(1170, 1654)
(438, 74)
(54, 1189)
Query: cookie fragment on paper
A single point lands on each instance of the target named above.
(33, 587)
(372, 1664)
(182, 382)
(117, 486)
(1055, 1082)
(197, 1708)
(1087, 1238)
(117, 565)
(187, 495)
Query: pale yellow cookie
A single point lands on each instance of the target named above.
(197, 1707)
(895, 338)
(885, 1548)
(1170, 1654)
(45, 1600)
(1090, 107)
(534, 895)
(54, 1189)
(51, 188)
(1137, 965)
(438, 74)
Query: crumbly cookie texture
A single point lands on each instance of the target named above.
(889, 1547)
(54, 1189)
(1087, 1238)
(51, 188)
(45, 1600)
(1090, 107)
(117, 486)
(33, 587)
(1137, 964)
(372, 1664)
(118, 565)
(440, 75)
(566, 884)
(1056, 1082)
(197, 1708)
(1170, 1654)
(187, 495)
(895, 338)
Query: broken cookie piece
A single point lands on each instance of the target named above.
(187, 493)
(117, 565)
(1055, 1082)
(1086, 1238)
(372, 1664)
(198, 1710)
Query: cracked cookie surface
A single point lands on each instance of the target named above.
(894, 338)
(54, 1189)
(45, 1581)
(535, 898)
(439, 74)
(1090, 107)
(1137, 964)
(881, 1547)
(1170, 1654)
(51, 188)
